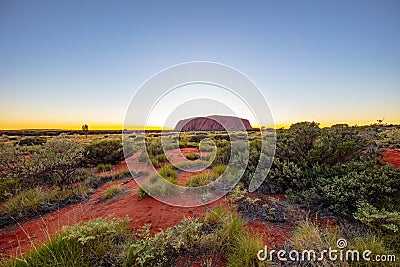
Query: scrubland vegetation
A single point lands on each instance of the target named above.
(334, 172)
(104, 242)
(37, 179)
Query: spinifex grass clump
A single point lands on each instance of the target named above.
(94, 243)
(104, 167)
(38, 201)
(154, 153)
(200, 179)
(308, 236)
(192, 156)
(112, 192)
(160, 184)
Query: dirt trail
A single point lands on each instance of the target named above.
(392, 156)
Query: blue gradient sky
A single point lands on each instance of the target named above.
(65, 63)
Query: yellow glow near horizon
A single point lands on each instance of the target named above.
(121, 127)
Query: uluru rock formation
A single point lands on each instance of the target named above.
(213, 123)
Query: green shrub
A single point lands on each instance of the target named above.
(8, 187)
(244, 252)
(192, 156)
(27, 202)
(381, 220)
(197, 138)
(121, 175)
(207, 157)
(206, 147)
(94, 243)
(236, 194)
(200, 179)
(155, 163)
(141, 193)
(143, 157)
(106, 152)
(221, 136)
(160, 184)
(192, 165)
(219, 231)
(390, 138)
(219, 170)
(223, 153)
(32, 141)
(40, 200)
(112, 191)
(154, 148)
(147, 250)
(183, 143)
(168, 172)
(307, 235)
(54, 163)
(104, 167)
(161, 158)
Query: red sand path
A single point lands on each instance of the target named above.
(391, 156)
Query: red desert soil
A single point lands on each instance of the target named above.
(19, 238)
(391, 156)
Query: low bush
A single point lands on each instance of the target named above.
(27, 202)
(219, 234)
(200, 179)
(307, 236)
(197, 138)
(8, 187)
(112, 192)
(206, 147)
(143, 157)
(390, 138)
(155, 163)
(106, 152)
(160, 184)
(141, 193)
(168, 172)
(183, 143)
(123, 174)
(192, 156)
(94, 243)
(223, 153)
(32, 141)
(244, 251)
(37, 201)
(55, 163)
(192, 165)
(104, 167)
(219, 170)
(207, 157)
(161, 158)
(154, 148)
(380, 220)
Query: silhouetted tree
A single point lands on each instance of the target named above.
(85, 129)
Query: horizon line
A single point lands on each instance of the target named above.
(160, 128)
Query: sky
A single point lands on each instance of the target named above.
(66, 63)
